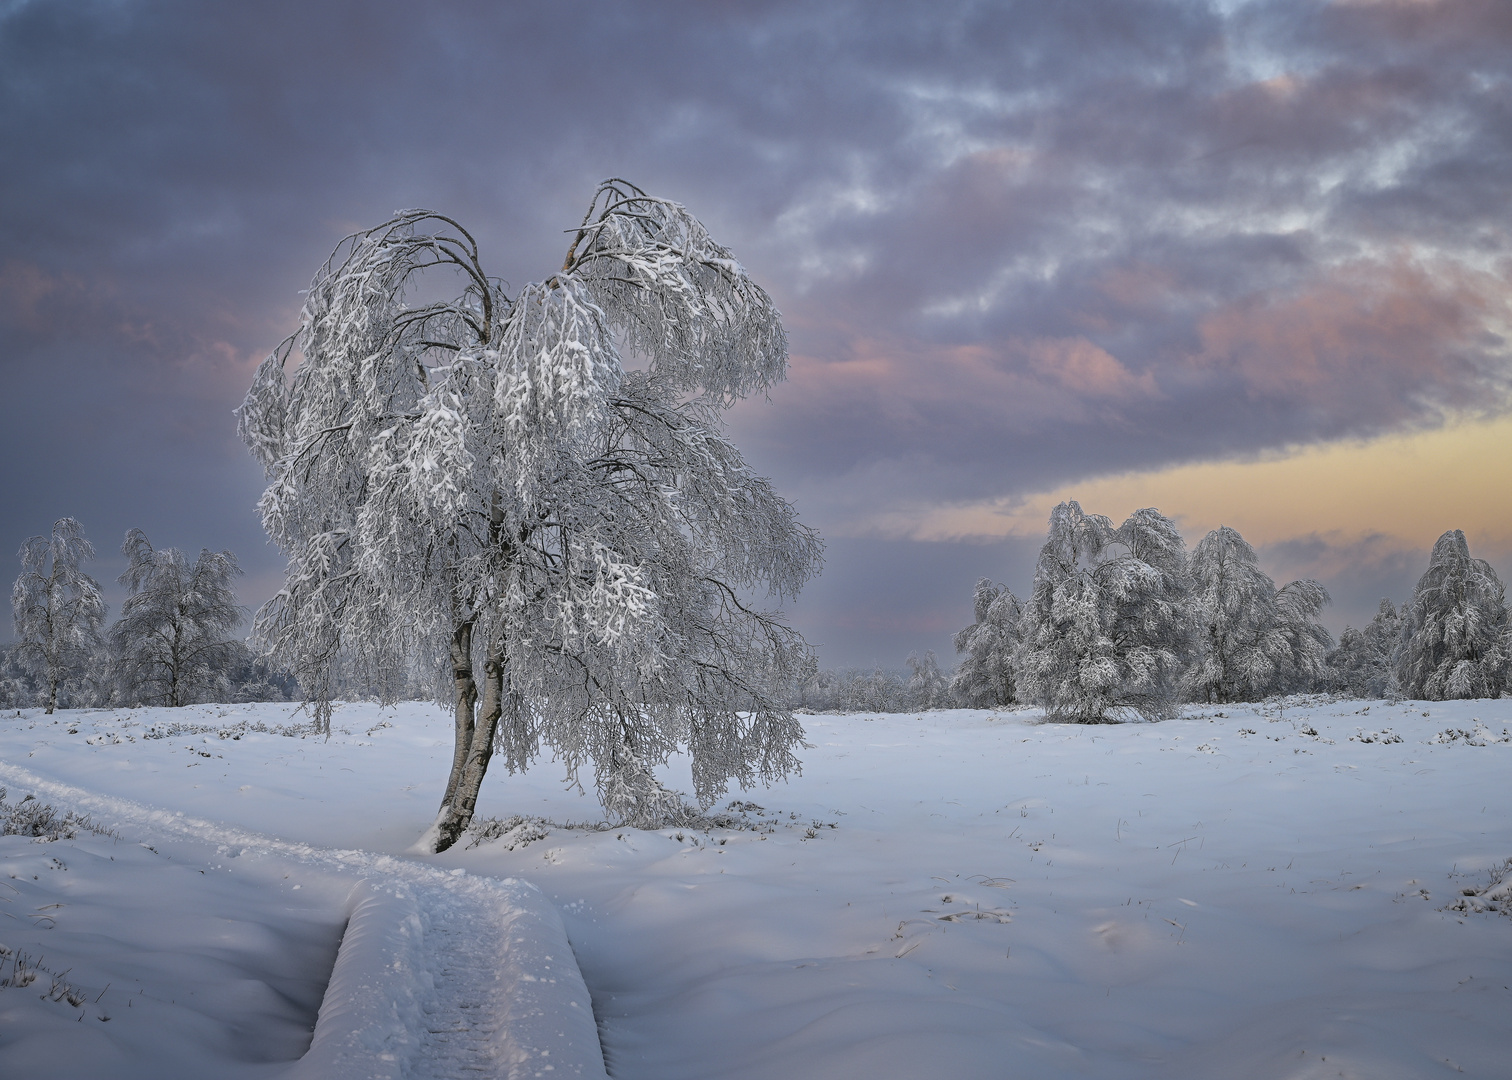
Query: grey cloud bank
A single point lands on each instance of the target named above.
(1016, 244)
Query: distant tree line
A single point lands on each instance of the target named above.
(171, 645)
(1124, 621)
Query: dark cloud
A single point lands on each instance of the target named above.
(1017, 243)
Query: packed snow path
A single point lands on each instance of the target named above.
(441, 975)
(1245, 892)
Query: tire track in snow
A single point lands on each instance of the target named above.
(441, 976)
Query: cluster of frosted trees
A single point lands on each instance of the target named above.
(1124, 621)
(170, 645)
(876, 689)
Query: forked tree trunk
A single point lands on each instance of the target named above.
(457, 814)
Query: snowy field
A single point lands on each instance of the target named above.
(1242, 892)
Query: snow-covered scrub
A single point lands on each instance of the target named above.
(1254, 639)
(58, 610)
(570, 546)
(987, 675)
(1108, 628)
(1242, 891)
(1454, 628)
(1364, 664)
(869, 689)
(172, 643)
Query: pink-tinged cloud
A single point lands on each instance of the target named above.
(1396, 335)
(1086, 370)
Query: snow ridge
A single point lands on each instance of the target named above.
(439, 975)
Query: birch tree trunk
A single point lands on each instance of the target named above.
(457, 815)
(466, 692)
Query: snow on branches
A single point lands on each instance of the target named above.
(480, 483)
(1254, 639)
(1454, 627)
(170, 643)
(987, 675)
(57, 608)
(1108, 632)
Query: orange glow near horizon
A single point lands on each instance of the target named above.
(1402, 489)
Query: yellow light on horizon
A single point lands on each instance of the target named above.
(1406, 488)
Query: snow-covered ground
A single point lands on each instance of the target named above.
(1242, 892)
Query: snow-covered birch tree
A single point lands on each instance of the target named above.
(481, 483)
(988, 673)
(1154, 627)
(1108, 631)
(1253, 638)
(57, 608)
(170, 643)
(1454, 627)
(928, 688)
(1364, 664)
(1299, 606)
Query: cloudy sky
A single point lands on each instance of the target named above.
(1247, 262)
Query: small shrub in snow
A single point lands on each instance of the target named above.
(511, 832)
(1479, 736)
(1495, 896)
(30, 817)
(172, 730)
(1387, 736)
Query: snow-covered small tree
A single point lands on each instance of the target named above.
(1108, 632)
(1155, 627)
(873, 689)
(57, 608)
(574, 546)
(1364, 664)
(1454, 627)
(18, 683)
(1253, 639)
(1299, 606)
(928, 688)
(171, 643)
(987, 675)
